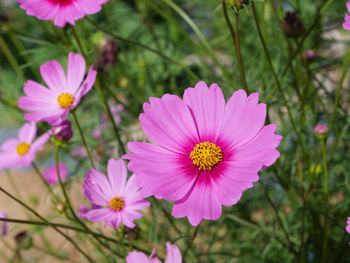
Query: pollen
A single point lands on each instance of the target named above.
(117, 203)
(206, 155)
(65, 100)
(23, 148)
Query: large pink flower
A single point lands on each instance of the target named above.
(346, 24)
(20, 152)
(172, 251)
(63, 94)
(62, 11)
(119, 198)
(207, 152)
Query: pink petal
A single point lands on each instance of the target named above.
(160, 172)
(90, 6)
(85, 87)
(68, 14)
(96, 188)
(75, 72)
(8, 160)
(168, 122)
(27, 132)
(262, 148)
(173, 254)
(137, 257)
(33, 104)
(201, 202)
(243, 119)
(54, 117)
(53, 75)
(207, 107)
(38, 91)
(98, 215)
(10, 145)
(44, 10)
(117, 174)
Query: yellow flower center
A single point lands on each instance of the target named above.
(206, 155)
(23, 148)
(117, 203)
(65, 100)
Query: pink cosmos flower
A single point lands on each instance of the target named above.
(20, 152)
(119, 198)
(63, 94)
(50, 175)
(4, 224)
(173, 256)
(346, 24)
(208, 151)
(62, 11)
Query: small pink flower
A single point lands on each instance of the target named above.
(62, 11)
(50, 175)
(20, 152)
(119, 197)
(4, 224)
(320, 129)
(208, 151)
(346, 24)
(173, 256)
(63, 94)
(348, 226)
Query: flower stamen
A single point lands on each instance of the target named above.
(206, 155)
(65, 100)
(23, 148)
(117, 203)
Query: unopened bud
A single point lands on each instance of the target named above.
(62, 132)
(293, 26)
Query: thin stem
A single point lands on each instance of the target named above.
(325, 227)
(235, 38)
(189, 246)
(83, 139)
(103, 97)
(48, 223)
(37, 170)
(135, 43)
(278, 217)
(267, 54)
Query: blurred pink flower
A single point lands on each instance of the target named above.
(346, 24)
(63, 132)
(20, 152)
(63, 94)
(119, 197)
(4, 224)
(62, 11)
(348, 225)
(50, 175)
(173, 256)
(208, 151)
(320, 129)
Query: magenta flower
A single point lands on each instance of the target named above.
(62, 11)
(348, 225)
(63, 94)
(207, 152)
(50, 175)
(4, 224)
(346, 24)
(119, 198)
(172, 251)
(320, 129)
(20, 152)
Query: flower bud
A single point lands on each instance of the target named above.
(293, 26)
(238, 4)
(106, 54)
(310, 55)
(23, 240)
(62, 132)
(60, 207)
(320, 130)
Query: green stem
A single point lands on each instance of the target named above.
(48, 223)
(235, 38)
(325, 227)
(10, 57)
(135, 43)
(267, 54)
(37, 170)
(83, 139)
(189, 246)
(103, 97)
